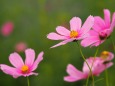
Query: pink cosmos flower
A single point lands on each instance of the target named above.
(98, 67)
(20, 47)
(102, 29)
(22, 68)
(76, 31)
(7, 28)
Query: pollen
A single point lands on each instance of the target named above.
(73, 34)
(25, 69)
(104, 54)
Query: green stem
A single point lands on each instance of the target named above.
(92, 63)
(99, 80)
(94, 60)
(96, 51)
(106, 77)
(28, 82)
(95, 56)
(87, 65)
(113, 44)
(87, 80)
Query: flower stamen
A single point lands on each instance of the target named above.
(104, 55)
(25, 69)
(73, 34)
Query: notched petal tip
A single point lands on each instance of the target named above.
(41, 53)
(29, 49)
(12, 55)
(106, 10)
(75, 23)
(62, 31)
(74, 18)
(69, 79)
(40, 56)
(91, 17)
(55, 36)
(69, 65)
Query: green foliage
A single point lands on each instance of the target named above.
(33, 20)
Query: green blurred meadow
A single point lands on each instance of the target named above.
(33, 20)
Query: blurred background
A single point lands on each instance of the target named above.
(30, 21)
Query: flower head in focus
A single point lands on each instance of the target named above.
(76, 32)
(102, 30)
(22, 68)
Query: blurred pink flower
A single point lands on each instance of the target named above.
(22, 68)
(106, 56)
(7, 28)
(20, 47)
(102, 29)
(98, 67)
(76, 31)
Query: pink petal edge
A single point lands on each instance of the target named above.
(10, 70)
(38, 60)
(87, 24)
(75, 23)
(30, 56)
(62, 31)
(55, 36)
(62, 43)
(16, 60)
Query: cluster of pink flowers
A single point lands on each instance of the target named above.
(100, 64)
(101, 30)
(93, 32)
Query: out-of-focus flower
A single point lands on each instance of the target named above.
(20, 47)
(106, 56)
(99, 65)
(7, 28)
(102, 30)
(22, 68)
(76, 31)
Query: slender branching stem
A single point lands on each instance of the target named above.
(28, 82)
(106, 77)
(113, 44)
(87, 65)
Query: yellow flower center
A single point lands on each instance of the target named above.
(104, 55)
(25, 69)
(73, 34)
